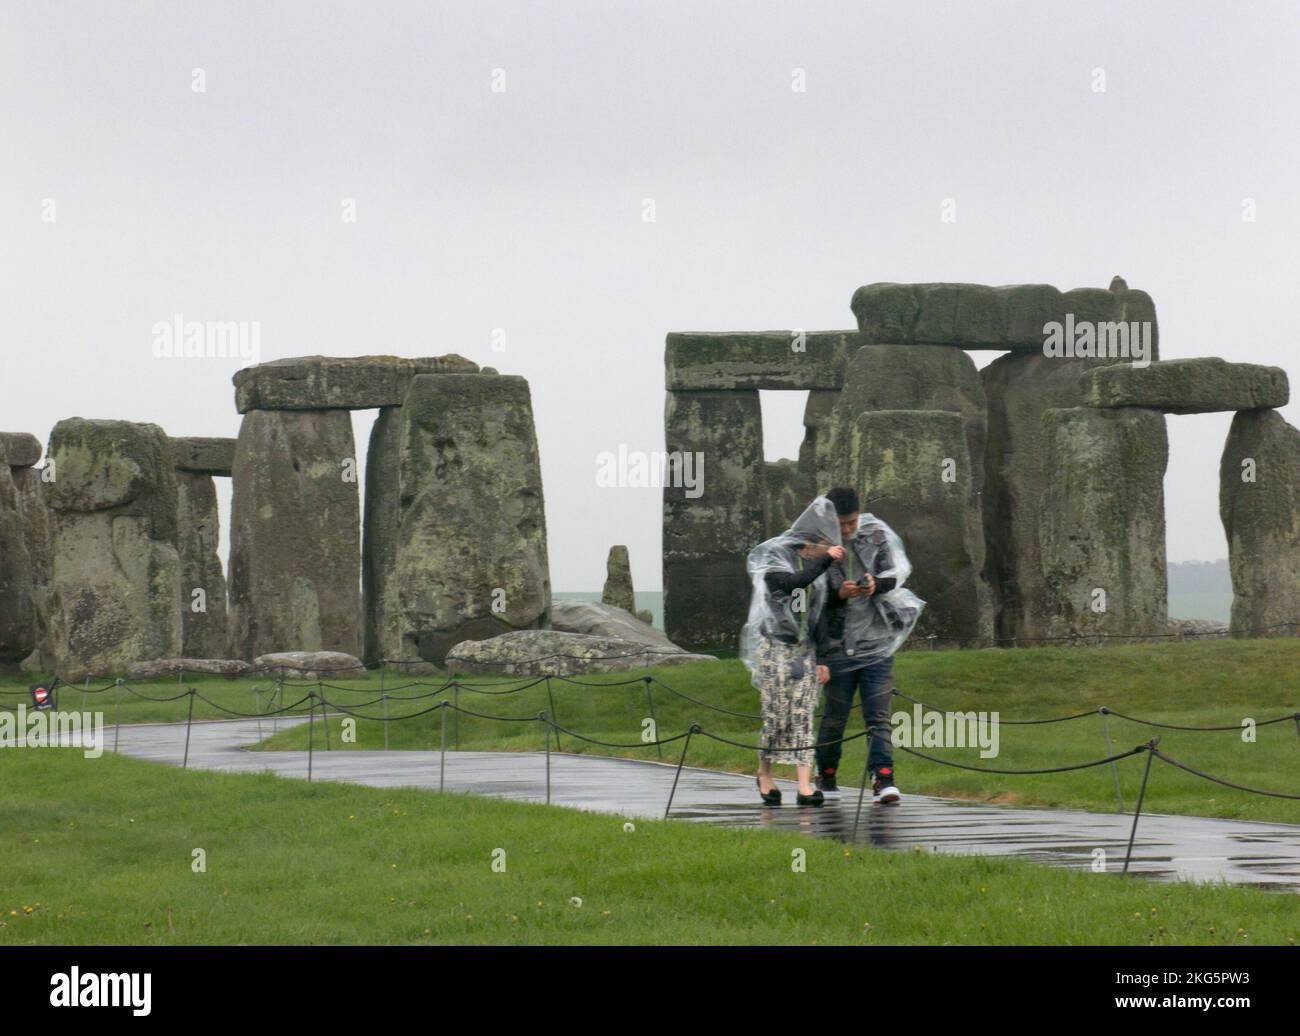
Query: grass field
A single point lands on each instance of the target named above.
(1217, 682)
(102, 851)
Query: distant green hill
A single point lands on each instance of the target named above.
(1200, 590)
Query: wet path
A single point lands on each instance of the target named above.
(1194, 848)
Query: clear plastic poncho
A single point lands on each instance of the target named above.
(778, 614)
(876, 626)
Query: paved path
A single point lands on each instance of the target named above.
(1194, 848)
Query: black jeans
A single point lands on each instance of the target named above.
(874, 684)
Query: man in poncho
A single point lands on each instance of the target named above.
(868, 615)
(788, 576)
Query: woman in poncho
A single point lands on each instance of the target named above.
(788, 577)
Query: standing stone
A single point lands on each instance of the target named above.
(910, 468)
(295, 531)
(379, 535)
(788, 490)
(1020, 388)
(1259, 503)
(470, 559)
(36, 536)
(203, 615)
(115, 585)
(1102, 523)
(713, 515)
(17, 602)
(815, 450)
(904, 377)
(618, 581)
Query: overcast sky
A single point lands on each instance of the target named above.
(523, 210)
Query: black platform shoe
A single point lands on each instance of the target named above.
(815, 799)
(773, 797)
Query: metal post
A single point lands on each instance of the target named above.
(550, 704)
(695, 729)
(1296, 717)
(654, 720)
(117, 712)
(325, 715)
(442, 754)
(257, 707)
(1114, 767)
(384, 695)
(311, 732)
(455, 695)
(862, 791)
(189, 723)
(1137, 812)
(542, 716)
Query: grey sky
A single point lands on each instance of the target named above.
(522, 210)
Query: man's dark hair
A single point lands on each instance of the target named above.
(845, 500)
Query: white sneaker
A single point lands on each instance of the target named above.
(882, 787)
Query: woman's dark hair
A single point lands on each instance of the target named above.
(845, 500)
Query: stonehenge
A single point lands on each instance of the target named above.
(109, 562)
(1029, 493)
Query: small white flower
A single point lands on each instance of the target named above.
(629, 827)
(575, 901)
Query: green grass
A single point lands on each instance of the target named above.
(99, 851)
(1207, 683)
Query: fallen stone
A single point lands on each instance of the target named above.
(618, 580)
(295, 555)
(1102, 523)
(337, 382)
(1198, 629)
(597, 619)
(1259, 504)
(552, 653)
(204, 456)
(20, 449)
(1199, 386)
(115, 583)
(307, 665)
(976, 316)
(709, 361)
(232, 668)
(646, 616)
